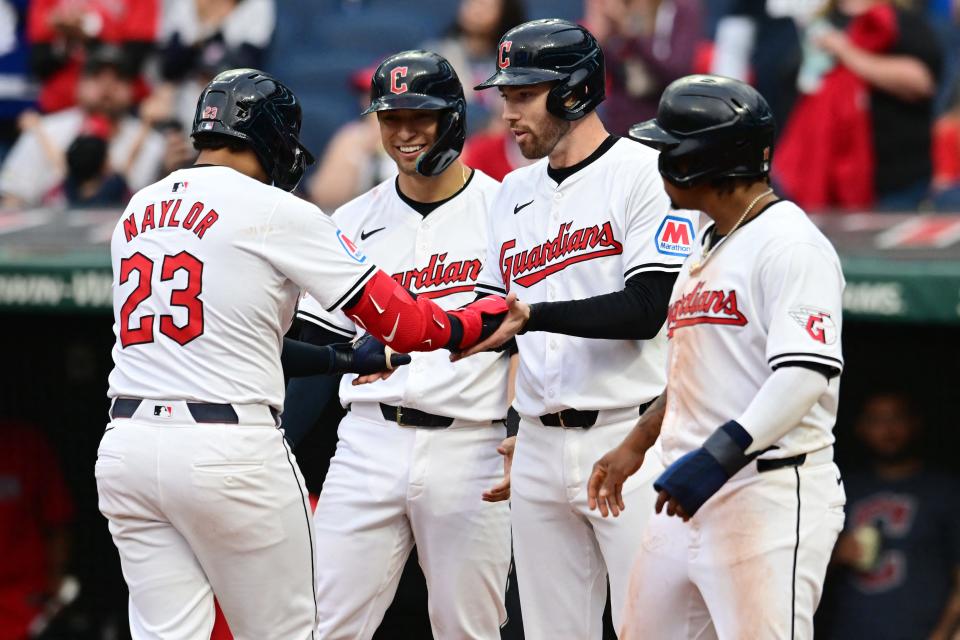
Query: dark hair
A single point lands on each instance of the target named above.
(86, 157)
(213, 141)
(512, 13)
(726, 185)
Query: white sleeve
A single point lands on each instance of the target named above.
(26, 173)
(780, 404)
(801, 306)
(309, 310)
(656, 238)
(490, 280)
(304, 244)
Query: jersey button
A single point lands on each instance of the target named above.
(553, 345)
(558, 196)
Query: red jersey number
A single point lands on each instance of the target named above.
(188, 298)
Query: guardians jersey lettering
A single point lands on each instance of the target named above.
(702, 306)
(544, 259)
(439, 272)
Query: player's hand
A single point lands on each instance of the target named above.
(605, 487)
(672, 504)
(501, 491)
(517, 315)
(367, 357)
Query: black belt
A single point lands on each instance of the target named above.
(407, 417)
(780, 463)
(202, 412)
(573, 419)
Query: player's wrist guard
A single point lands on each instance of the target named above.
(478, 320)
(699, 474)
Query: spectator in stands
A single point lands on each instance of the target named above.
(35, 514)
(354, 160)
(494, 151)
(36, 165)
(201, 38)
(864, 137)
(62, 31)
(16, 92)
(470, 45)
(898, 560)
(946, 159)
(647, 44)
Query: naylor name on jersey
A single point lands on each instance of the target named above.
(530, 266)
(704, 307)
(136, 224)
(438, 273)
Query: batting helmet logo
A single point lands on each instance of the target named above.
(502, 60)
(395, 75)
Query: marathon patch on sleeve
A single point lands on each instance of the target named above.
(675, 236)
(352, 249)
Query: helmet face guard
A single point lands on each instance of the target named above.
(254, 107)
(709, 127)
(553, 51)
(422, 80)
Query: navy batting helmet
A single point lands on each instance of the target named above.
(424, 80)
(258, 109)
(710, 127)
(558, 51)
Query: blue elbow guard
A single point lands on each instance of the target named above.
(699, 474)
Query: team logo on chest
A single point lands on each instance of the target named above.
(441, 277)
(703, 306)
(530, 266)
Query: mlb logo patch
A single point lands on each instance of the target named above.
(179, 187)
(352, 250)
(209, 113)
(675, 236)
(162, 411)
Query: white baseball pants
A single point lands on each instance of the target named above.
(563, 551)
(203, 509)
(390, 487)
(749, 565)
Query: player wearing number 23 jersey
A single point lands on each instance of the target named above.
(202, 495)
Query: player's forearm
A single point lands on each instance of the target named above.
(407, 323)
(782, 401)
(303, 359)
(647, 429)
(635, 313)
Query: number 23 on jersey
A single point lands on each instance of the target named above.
(187, 297)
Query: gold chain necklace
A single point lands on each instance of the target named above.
(698, 266)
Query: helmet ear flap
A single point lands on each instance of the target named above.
(580, 93)
(449, 143)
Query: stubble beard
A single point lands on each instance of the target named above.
(540, 145)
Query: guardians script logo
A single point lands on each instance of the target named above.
(702, 306)
(528, 267)
(440, 278)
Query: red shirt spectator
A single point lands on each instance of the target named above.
(34, 511)
(60, 30)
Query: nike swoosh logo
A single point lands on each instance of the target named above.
(376, 306)
(839, 480)
(518, 207)
(390, 336)
(364, 234)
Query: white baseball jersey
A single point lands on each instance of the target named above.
(438, 256)
(584, 237)
(208, 265)
(770, 294)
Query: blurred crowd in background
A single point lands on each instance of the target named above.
(97, 96)
(97, 99)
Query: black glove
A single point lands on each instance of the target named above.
(366, 355)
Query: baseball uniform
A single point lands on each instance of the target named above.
(751, 562)
(585, 234)
(395, 482)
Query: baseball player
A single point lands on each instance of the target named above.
(586, 239)
(200, 491)
(750, 503)
(417, 451)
